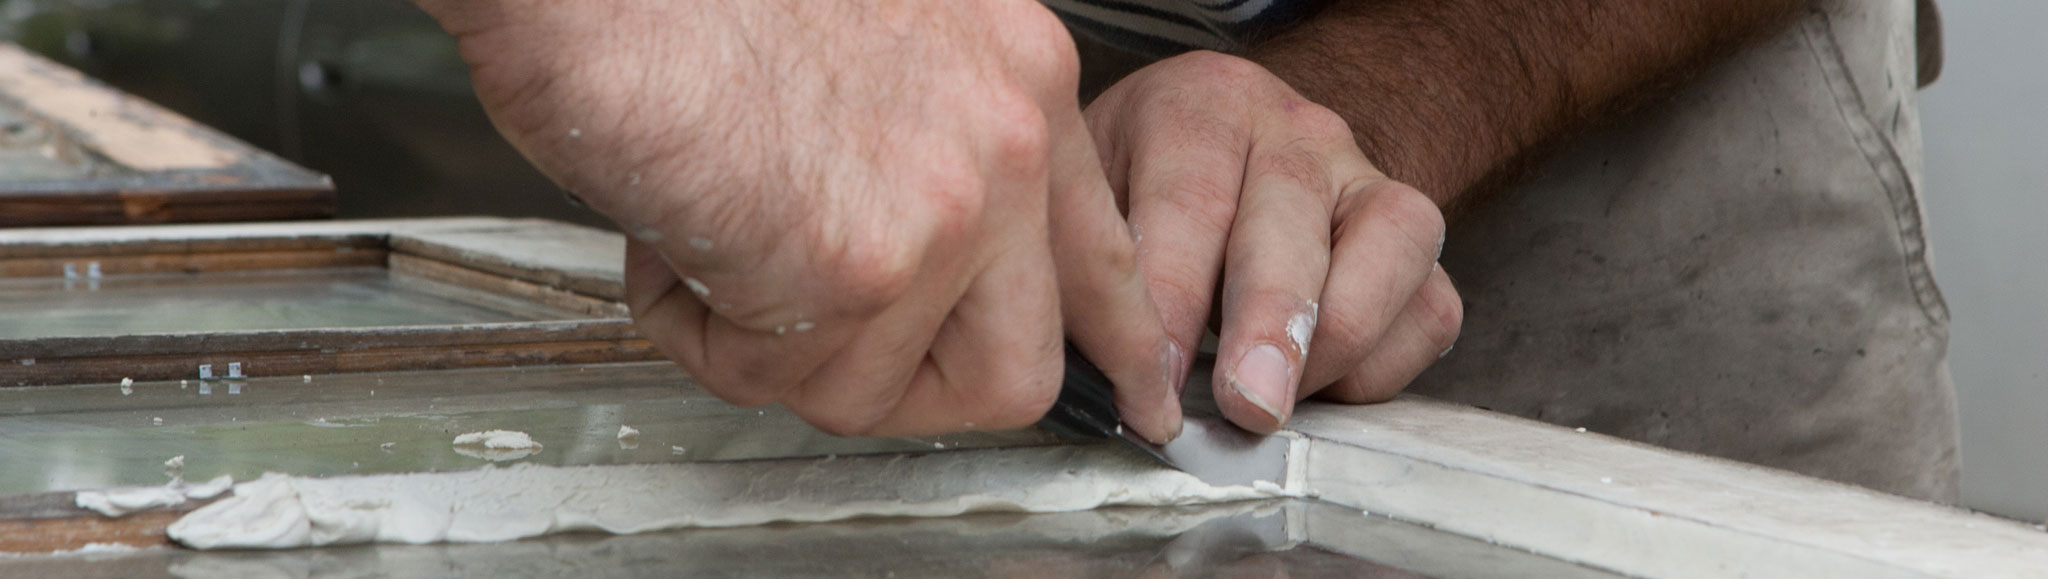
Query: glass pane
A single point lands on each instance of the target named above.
(97, 436)
(88, 305)
(1212, 541)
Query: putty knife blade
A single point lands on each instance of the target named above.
(1209, 447)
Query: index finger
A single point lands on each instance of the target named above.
(1104, 301)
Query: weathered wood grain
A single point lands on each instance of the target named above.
(157, 166)
(46, 522)
(572, 257)
(161, 263)
(429, 269)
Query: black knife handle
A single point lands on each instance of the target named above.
(1086, 408)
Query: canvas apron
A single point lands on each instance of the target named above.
(1740, 271)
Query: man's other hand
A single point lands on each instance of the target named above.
(1327, 268)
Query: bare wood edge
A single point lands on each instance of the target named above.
(1633, 508)
(508, 264)
(88, 248)
(139, 530)
(135, 133)
(444, 272)
(156, 209)
(165, 263)
(51, 361)
(328, 340)
(49, 522)
(79, 370)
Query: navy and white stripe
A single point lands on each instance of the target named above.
(1166, 27)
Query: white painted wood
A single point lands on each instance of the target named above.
(1637, 509)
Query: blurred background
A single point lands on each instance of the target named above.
(370, 92)
(374, 94)
(1986, 128)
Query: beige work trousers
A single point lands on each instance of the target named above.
(1740, 270)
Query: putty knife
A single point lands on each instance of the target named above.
(1209, 447)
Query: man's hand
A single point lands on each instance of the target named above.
(1327, 267)
(876, 213)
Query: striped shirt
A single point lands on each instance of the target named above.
(1162, 28)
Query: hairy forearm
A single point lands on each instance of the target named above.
(1443, 94)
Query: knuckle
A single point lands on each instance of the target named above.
(1445, 314)
(1022, 137)
(1180, 294)
(1412, 212)
(1113, 257)
(950, 200)
(1222, 69)
(1046, 53)
(1026, 399)
(1209, 197)
(870, 268)
(1343, 331)
(1319, 122)
(1413, 207)
(1305, 167)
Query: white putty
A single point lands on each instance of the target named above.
(629, 438)
(156, 420)
(697, 287)
(804, 326)
(700, 243)
(678, 451)
(176, 463)
(127, 386)
(497, 439)
(121, 501)
(525, 500)
(1302, 326)
(496, 445)
(209, 489)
